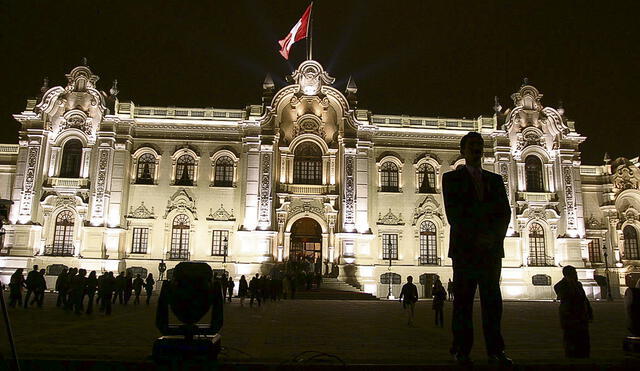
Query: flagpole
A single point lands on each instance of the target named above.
(310, 38)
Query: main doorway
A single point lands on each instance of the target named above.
(306, 241)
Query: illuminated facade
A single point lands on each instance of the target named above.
(107, 185)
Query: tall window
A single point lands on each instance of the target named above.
(594, 251)
(631, 251)
(428, 248)
(537, 251)
(390, 246)
(220, 243)
(307, 164)
(71, 159)
(180, 237)
(389, 177)
(140, 240)
(426, 178)
(146, 169)
(185, 169)
(223, 176)
(63, 234)
(533, 174)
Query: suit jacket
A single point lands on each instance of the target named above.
(471, 218)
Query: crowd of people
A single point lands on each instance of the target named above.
(73, 286)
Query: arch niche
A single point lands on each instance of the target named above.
(306, 238)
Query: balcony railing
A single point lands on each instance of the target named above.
(429, 260)
(538, 196)
(178, 255)
(69, 182)
(308, 189)
(59, 250)
(540, 261)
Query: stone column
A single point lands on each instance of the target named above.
(265, 198)
(362, 189)
(349, 190)
(251, 152)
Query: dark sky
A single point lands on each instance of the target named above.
(408, 57)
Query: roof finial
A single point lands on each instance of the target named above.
(496, 105)
(560, 108)
(84, 61)
(607, 159)
(45, 84)
(351, 86)
(525, 81)
(114, 88)
(268, 83)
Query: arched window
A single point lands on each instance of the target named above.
(185, 169)
(533, 174)
(146, 169)
(71, 159)
(307, 164)
(631, 251)
(63, 234)
(390, 277)
(426, 178)
(180, 238)
(428, 247)
(537, 249)
(223, 176)
(389, 177)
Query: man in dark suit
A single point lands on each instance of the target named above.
(478, 211)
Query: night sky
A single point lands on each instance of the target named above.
(426, 58)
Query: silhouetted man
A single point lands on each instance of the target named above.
(478, 211)
(41, 286)
(32, 285)
(120, 284)
(106, 290)
(162, 267)
(61, 288)
(137, 288)
(128, 286)
(254, 290)
(78, 286)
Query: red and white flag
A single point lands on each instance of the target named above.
(297, 33)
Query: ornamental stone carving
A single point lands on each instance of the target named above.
(311, 77)
(221, 214)
(390, 219)
(264, 207)
(625, 175)
(101, 182)
(593, 223)
(307, 207)
(141, 212)
(349, 190)
(181, 201)
(529, 112)
(428, 208)
(569, 197)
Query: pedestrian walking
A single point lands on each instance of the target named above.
(439, 296)
(68, 305)
(230, 286)
(99, 297)
(409, 297)
(128, 287)
(120, 284)
(575, 314)
(61, 288)
(148, 286)
(138, 282)
(31, 284)
(450, 289)
(40, 288)
(16, 284)
(90, 289)
(254, 290)
(78, 286)
(162, 267)
(243, 289)
(108, 287)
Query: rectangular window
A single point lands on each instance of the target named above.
(594, 251)
(390, 246)
(140, 240)
(220, 243)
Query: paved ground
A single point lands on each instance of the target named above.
(356, 331)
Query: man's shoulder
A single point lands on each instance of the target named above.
(456, 173)
(491, 175)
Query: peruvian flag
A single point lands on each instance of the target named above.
(297, 33)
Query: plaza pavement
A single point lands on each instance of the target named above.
(359, 332)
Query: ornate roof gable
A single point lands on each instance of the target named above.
(181, 201)
(528, 111)
(428, 208)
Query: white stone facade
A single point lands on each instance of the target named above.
(107, 185)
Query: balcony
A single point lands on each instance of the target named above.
(540, 261)
(538, 196)
(429, 260)
(178, 255)
(308, 189)
(68, 182)
(59, 250)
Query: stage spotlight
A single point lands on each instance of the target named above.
(190, 294)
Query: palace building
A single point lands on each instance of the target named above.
(103, 184)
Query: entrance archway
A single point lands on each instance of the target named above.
(306, 241)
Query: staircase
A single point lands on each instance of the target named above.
(334, 289)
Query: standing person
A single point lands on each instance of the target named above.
(575, 314)
(409, 297)
(230, 286)
(450, 289)
(120, 284)
(243, 289)
(99, 297)
(108, 287)
(478, 211)
(148, 286)
(128, 287)
(162, 267)
(78, 286)
(61, 288)
(138, 282)
(16, 283)
(68, 281)
(40, 288)
(439, 296)
(31, 283)
(254, 290)
(91, 287)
